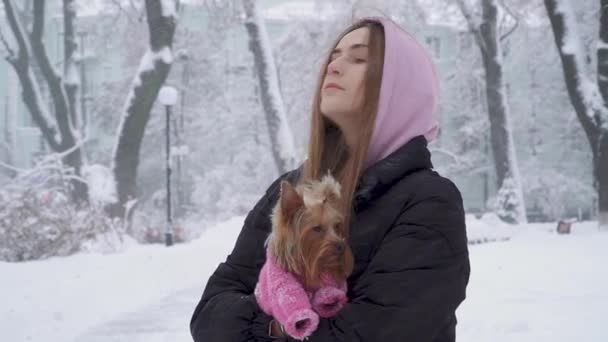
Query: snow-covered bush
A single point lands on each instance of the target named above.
(38, 219)
(556, 195)
(505, 203)
(40, 224)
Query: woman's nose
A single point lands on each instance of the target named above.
(334, 67)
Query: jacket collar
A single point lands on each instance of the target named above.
(376, 179)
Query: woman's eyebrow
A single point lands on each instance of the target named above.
(352, 47)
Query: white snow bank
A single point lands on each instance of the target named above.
(60, 298)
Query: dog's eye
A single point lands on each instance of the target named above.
(317, 229)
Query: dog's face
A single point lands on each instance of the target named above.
(309, 237)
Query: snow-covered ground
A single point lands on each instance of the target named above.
(530, 285)
(538, 286)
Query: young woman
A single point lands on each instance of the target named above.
(370, 124)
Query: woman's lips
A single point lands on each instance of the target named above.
(333, 86)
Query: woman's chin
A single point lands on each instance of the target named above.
(333, 113)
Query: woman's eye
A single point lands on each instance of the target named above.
(358, 59)
(317, 229)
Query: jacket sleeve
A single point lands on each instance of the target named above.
(415, 281)
(228, 311)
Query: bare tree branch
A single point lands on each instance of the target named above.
(120, 7)
(11, 167)
(471, 23)
(514, 16)
(17, 28)
(52, 78)
(10, 52)
(30, 93)
(32, 45)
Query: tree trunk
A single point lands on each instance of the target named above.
(281, 137)
(501, 138)
(58, 132)
(69, 64)
(591, 110)
(601, 176)
(59, 94)
(602, 52)
(601, 173)
(153, 71)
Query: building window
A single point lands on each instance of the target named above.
(434, 45)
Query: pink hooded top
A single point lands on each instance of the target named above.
(408, 94)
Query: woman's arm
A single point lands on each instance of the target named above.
(415, 281)
(228, 310)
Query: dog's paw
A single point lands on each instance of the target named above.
(328, 301)
(301, 323)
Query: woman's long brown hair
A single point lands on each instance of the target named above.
(327, 148)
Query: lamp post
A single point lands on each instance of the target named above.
(168, 98)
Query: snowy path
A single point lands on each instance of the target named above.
(165, 321)
(538, 286)
(63, 299)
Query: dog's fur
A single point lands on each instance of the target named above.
(308, 237)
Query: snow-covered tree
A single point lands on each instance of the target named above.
(153, 69)
(488, 37)
(58, 130)
(588, 97)
(282, 145)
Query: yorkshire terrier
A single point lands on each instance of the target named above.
(308, 258)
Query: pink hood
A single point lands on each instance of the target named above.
(408, 94)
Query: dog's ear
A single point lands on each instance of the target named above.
(291, 201)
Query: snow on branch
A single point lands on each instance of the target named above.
(280, 133)
(32, 96)
(571, 45)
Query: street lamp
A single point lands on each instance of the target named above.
(168, 98)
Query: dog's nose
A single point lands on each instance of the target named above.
(340, 246)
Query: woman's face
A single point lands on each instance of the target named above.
(343, 86)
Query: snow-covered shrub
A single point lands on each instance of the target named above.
(101, 183)
(40, 224)
(556, 195)
(505, 203)
(38, 219)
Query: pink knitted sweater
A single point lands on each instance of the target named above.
(281, 295)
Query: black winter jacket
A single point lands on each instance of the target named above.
(411, 269)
